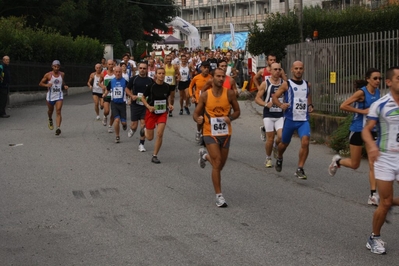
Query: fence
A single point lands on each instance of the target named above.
(25, 76)
(331, 65)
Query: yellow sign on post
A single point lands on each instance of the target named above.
(333, 77)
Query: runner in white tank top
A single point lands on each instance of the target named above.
(95, 84)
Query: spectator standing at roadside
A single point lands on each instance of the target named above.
(5, 78)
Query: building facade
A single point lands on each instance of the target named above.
(211, 17)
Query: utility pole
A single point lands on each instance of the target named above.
(287, 7)
(298, 4)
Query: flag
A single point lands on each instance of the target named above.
(233, 41)
(163, 53)
(144, 54)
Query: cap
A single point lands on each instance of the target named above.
(205, 64)
(56, 62)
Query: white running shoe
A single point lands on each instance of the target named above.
(110, 130)
(141, 148)
(220, 201)
(104, 121)
(201, 160)
(376, 245)
(262, 133)
(268, 163)
(98, 117)
(332, 169)
(130, 133)
(373, 199)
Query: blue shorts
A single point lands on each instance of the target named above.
(54, 102)
(302, 127)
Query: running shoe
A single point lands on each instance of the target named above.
(187, 110)
(155, 159)
(198, 136)
(201, 160)
(376, 245)
(279, 165)
(220, 201)
(141, 148)
(142, 132)
(124, 127)
(117, 139)
(50, 124)
(98, 117)
(110, 130)
(170, 114)
(373, 199)
(268, 163)
(275, 151)
(332, 169)
(104, 121)
(181, 112)
(300, 173)
(58, 132)
(130, 133)
(262, 133)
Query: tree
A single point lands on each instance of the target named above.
(274, 35)
(110, 21)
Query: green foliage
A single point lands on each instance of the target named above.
(109, 21)
(276, 33)
(23, 43)
(350, 21)
(339, 141)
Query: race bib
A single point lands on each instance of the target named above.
(117, 93)
(168, 79)
(274, 108)
(151, 74)
(55, 89)
(219, 126)
(299, 109)
(139, 97)
(160, 106)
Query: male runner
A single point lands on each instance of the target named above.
(94, 83)
(214, 112)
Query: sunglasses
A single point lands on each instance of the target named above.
(375, 78)
(277, 69)
(142, 68)
(222, 65)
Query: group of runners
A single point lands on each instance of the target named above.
(287, 104)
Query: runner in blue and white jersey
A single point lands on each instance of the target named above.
(296, 106)
(359, 104)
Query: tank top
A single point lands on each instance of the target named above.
(54, 93)
(297, 97)
(359, 120)
(184, 73)
(170, 75)
(216, 109)
(274, 111)
(227, 83)
(96, 87)
(151, 71)
(107, 79)
(266, 73)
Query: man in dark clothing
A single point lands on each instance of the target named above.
(5, 78)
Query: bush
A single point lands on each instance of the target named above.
(339, 140)
(22, 43)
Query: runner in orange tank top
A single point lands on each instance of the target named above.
(229, 82)
(213, 112)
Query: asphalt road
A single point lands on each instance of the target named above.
(81, 199)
